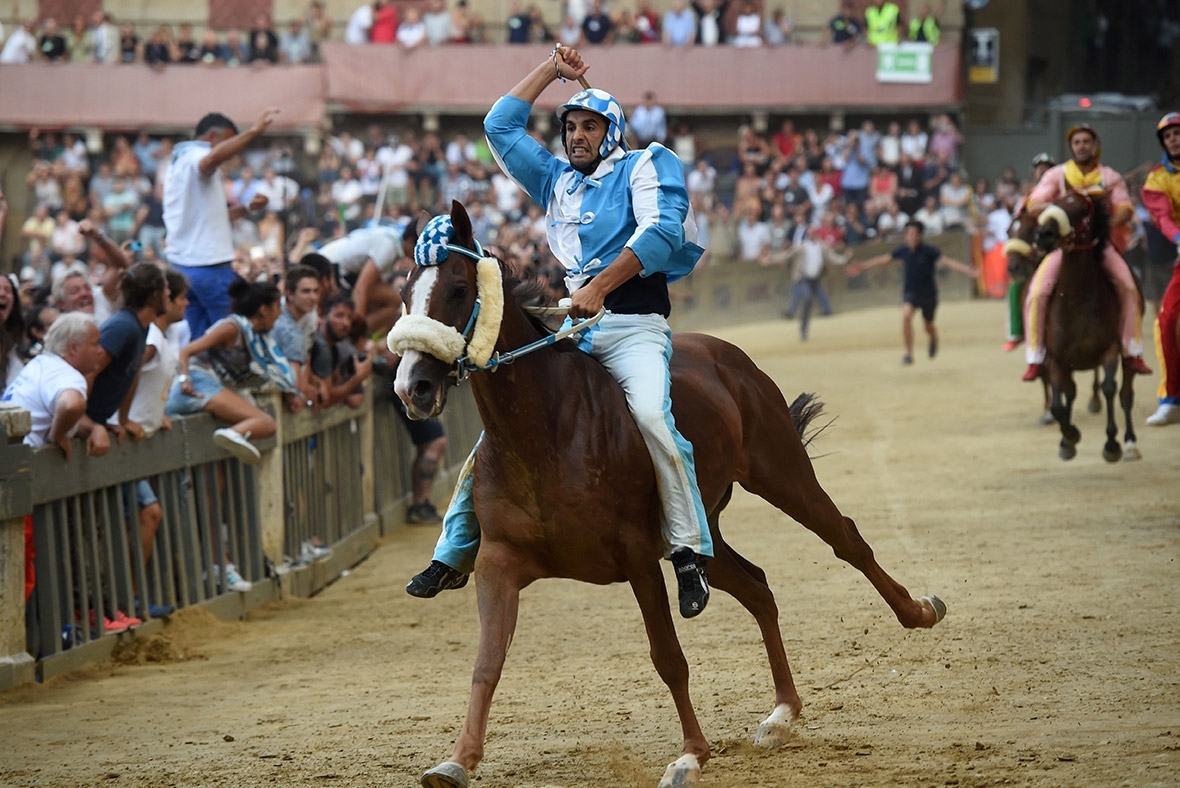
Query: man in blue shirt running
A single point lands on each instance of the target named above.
(919, 289)
(621, 225)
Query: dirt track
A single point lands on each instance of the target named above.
(1057, 664)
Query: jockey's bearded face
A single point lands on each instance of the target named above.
(583, 132)
(1171, 137)
(1082, 145)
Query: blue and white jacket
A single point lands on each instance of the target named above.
(635, 199)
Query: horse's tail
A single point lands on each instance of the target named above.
(804, 410)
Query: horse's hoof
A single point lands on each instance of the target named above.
(446, 775)
(685, 770)
(1131, 452)
(1112, 455)
(775, 730)
(938, 605)
(1067, 451)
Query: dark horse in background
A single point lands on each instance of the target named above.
(1023, 259)
(1082, 325)
(564, 487)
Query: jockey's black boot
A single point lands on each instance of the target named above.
(691, 580)
(434, 578)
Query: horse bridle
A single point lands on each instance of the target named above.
(462, 368)
(1082, 229)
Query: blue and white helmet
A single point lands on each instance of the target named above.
(601, 103)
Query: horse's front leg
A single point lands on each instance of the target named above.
(1112, 451)
(498, 592)
(647, 583)
(1095, 404)
(1064, 391)
(1127, 400)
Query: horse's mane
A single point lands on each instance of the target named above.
(528, 291)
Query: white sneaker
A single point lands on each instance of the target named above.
(1167, 414)
(311, 550)
(237, 445)
(234, 581)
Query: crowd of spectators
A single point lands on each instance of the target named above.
(100, 39)
(752, 199)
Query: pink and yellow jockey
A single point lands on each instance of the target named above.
(1101, 183)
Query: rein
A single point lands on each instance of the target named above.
(464, 368)
(1084, 230)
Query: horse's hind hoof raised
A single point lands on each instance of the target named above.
(685, 770)
(446, 775)
(1131, 453)
(938, 605)
(775, 730)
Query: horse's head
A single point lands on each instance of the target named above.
(1023, 255)
(1075, 221)
(454, 302)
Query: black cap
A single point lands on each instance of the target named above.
(215, 120)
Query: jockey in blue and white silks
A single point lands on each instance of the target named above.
(615, 203)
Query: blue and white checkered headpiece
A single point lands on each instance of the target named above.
(604, 104)
(431, 246)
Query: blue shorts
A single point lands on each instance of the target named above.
(205, 384)
(144, 495)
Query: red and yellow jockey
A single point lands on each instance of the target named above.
(1161, 197)
(1085, 173)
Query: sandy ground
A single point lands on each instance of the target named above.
(1056, 665)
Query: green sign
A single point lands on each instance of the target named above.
(909, 62)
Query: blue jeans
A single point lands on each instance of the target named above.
(805, 293)
(208, 294)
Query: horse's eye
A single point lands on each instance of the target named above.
(459, 293)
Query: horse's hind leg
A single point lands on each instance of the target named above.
(1095, 405)
(647, 583)
(745, 582)
(1127, 400)
(1112, 451)
(781, 473)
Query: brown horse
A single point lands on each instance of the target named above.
(564, 487)
(1082, 325)
(1023, 259)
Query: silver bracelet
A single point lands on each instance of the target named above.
(556, 70)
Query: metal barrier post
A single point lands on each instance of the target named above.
(368, 489)
(270, 482)
(16, 501)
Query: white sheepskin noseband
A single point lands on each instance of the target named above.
(1055, 213)
(430, 336)
(1017, 246)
